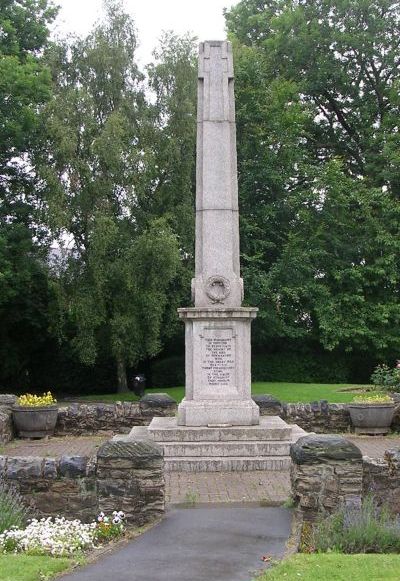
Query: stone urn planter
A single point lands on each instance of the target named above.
(35, 416)
(372, 418)
(35, 421)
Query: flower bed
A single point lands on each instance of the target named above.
(60, 537)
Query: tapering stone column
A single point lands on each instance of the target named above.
(218, 374)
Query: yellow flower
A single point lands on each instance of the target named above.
(32, 400)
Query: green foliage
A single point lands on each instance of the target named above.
(25, 86)
(335, 567)
(13, 512)
(31, 567)
(317, 112)
(300, 368)
(357, 530)
(386, 378)
(168, 372)
(125, 259)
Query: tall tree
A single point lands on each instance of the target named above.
(25, 86)
(328, 156)
(119, 266)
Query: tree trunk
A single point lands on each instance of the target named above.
(122, 379)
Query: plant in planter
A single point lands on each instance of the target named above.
(372, 414)
(35, 416)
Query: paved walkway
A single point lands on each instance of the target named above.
(263, 488)
(374, 446)
(271, 488)
(208, 544)
(56, 446)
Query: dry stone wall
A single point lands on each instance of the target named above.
(54, 486)
(91, 418)
(123, 476)
(326, 472)
(381, 479)
(130, 477)
(6, 424)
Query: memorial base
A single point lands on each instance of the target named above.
(210, 414)
(221, 449)
(217, 365)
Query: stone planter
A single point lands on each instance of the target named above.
(35, 422)
(371, 419)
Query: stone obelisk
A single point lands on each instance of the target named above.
(217, 335)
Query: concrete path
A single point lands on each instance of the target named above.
(204, 544)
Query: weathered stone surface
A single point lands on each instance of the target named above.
(381, 478)
(326, 472)
(269, 405)
(157, 404)
(217, 328)
(319, 449)
(73, 466)
(6, 425)
(79, 419)
(320, 417)
(21, 468)
(50, 468)
(130, 477)
(133, 451)
(7, 399)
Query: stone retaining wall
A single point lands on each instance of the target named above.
(80, 419)
(65, 486)
(6, 423)
(381, 479)
(123, 476)
(326, 472)
(91, 418)
(130, 477)
(318, 416)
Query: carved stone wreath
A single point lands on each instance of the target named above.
(218, 288)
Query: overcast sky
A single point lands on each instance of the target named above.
(203, 18)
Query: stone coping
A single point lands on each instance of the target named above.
(218, 313)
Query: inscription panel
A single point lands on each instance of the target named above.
(218, 358)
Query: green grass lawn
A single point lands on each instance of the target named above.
(288, 392)
(31, 568)
(335, 567)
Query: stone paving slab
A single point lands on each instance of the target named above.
(271, 488)
(374, 446)
(207, 544)
(56, 447)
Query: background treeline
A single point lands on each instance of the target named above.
(97, 178)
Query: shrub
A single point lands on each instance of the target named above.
(365, 529)
(387, 378)
(299, 367)
(13, 512)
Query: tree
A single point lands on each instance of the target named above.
(119, 266)
(328, 157)
(25, 86)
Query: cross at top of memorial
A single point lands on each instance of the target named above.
(217, 281)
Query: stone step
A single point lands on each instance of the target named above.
(226, 449)
(228, 464)
(270, 428)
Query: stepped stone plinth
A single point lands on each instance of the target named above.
(265, 446)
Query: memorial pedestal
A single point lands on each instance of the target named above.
(218, 374)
